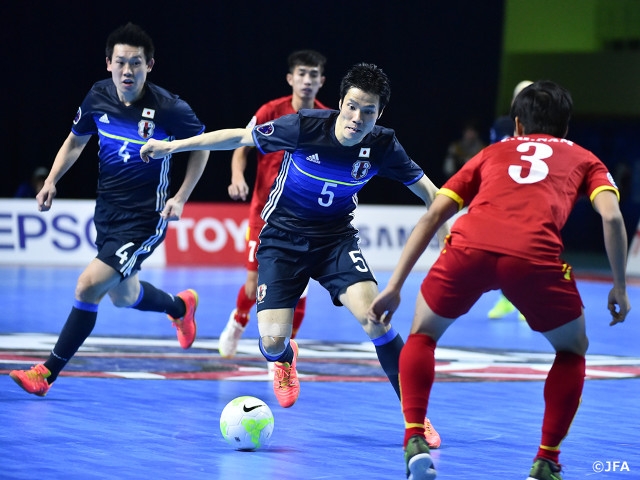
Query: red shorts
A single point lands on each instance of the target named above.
(545, 293)
(253, 240)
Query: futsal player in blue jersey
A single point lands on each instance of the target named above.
(133, 204)
(329, 156)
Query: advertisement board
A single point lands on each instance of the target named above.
(208, 234)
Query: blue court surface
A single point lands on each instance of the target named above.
(132, 404)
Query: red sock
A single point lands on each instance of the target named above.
(243, 305)
(562, 393)
(417, 373)
(298, 315)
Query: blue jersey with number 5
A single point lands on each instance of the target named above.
(315, 192)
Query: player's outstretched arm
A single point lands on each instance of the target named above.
(226, 139)
(615, 243)
(65, 158)
(426, 190)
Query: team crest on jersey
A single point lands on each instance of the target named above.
(265, 129)
(146, 128)
(261, 292)
(360, 169)
(76, 119)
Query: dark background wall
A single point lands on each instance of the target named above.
(227, 58)
(447, 62)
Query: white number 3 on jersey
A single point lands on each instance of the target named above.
(536, 153)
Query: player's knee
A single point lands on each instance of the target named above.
(582, 346)
(273, 346)
(86, 291)
(577, 345)
(80, 292)
(374, 330)
(122, 300)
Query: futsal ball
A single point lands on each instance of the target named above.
(246, 423)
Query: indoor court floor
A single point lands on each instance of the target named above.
(132, 404)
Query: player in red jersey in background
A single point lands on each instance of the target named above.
(306, 77)
(520, 192)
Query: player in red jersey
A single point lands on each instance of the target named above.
(306, 77)
(502, 128)
(520, 192)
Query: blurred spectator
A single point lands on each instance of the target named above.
(462, 150)
(504, 126)
(30, 188)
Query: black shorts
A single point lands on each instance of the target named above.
(286, 262)
(125, 239)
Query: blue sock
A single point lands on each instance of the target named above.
(388, 348)
(286, 356)
(77, 328)
(152, 299)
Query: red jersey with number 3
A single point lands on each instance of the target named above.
(520, 192)
(268, 165)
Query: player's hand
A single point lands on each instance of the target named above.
(172, 210)
(154, 149)
(45, 197)
(238, 190)
(618, 305)
(383, 306)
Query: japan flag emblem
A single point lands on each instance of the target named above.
(261, 292)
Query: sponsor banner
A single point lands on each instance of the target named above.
(384, 230)
(208, 234)
(63, 236)
(214, 234)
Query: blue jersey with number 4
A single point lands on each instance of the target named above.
(124, 180)
(315, 192)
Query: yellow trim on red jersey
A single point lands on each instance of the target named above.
(453, 196)
(603, 188)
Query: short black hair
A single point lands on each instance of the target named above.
(543, 107)
(307, 58)
(369, 78)
(130, 34)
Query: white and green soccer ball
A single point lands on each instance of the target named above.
(246, 423)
